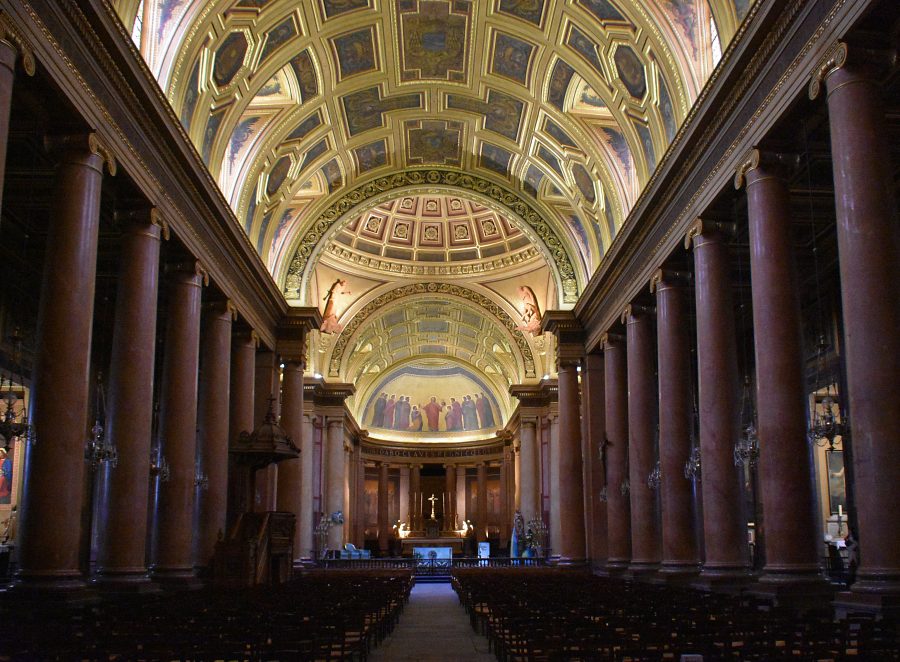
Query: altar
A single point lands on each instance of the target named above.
(409, 545)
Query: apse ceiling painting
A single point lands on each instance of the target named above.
(367, 146)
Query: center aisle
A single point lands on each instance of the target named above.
(433, 626)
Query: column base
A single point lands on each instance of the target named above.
(879, 604)
(616, 567)
(125, 582)
(565, 562)
(641, 568)
(677, 572)
(726, 579)
(800, 592)
(69, 588)
(176, 579)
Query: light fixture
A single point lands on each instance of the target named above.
(746, 448)
(158, 465)
(825, 423)
(318, 375)
(546, 377)
(14, 425)
(654, 477)
(692, 466)
(100, 448)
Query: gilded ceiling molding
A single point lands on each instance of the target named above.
(493, 309)
(352, 201)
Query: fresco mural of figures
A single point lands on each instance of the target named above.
(432, 398)
(329, 317)
(531, 312)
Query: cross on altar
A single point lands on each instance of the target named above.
(432, 499)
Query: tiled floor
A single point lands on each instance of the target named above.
(433, 626)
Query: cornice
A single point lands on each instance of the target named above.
(739, 103)
(88, 53)
(491, 448)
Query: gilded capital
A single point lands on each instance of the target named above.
(11, 35)
(748, 163)
(834, 58)
(663, 278)
(705, 226)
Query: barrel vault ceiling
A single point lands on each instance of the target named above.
(407, 148)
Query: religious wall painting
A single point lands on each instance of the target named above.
(307, 80)
(434, 39)
(305, 127)
(837, 490)
(684, 15)
(547, 157)
(364, 109)
(647, 145)
(243, 133)
(229, 58)
(432, 401)
(314, 152)
(603, 10)
(560, 77)
(741, 7)
(502, 113)
(620, 149)
(191, 95)
(332, 8)
(532, 180)
(278, 36)
(666, 110)
(263, 228)
(584, 182)
(434, 142)
(251, 210)
(331, 171)
(583, 45)
(277, 175)
(631, 71)
(512, 57)
(495, 158)
(335, 295)
(371, 156)
(355, 52)
(531, 11)
(209, 135)
(555, 131)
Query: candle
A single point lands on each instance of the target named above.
(840, 511)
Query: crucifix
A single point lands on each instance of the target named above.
(432, 499)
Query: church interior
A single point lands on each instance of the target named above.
(581, 309)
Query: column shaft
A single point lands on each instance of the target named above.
(7, 76)
(528, 473)
(178, 430)
(384, 525)
(266, 388)
(785, 485)
(679, 535)
(212, 419)
(243, 363)
(306, 523)
(571, 546)
(290, 483)
(450, 490)
(51, 515)
(594, 415)
(724, 533)
(481, 522)
(122, 550)
(335, 478)
(618, 505)
(642, 404)
(415, 497)
(868, 234)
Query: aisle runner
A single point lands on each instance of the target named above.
(433, 626)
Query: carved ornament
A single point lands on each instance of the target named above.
(834, 58)
(11, 35)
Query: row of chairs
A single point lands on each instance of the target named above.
(321, 615)
(564, 615)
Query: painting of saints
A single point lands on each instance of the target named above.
(415, 424)
(432, 412)
(6, 476)
(389, 413)
(485, 413)
(378, 416)
(470, 415)
(329, 317)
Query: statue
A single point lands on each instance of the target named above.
(329, 317)
(531, 313)
(518, 534)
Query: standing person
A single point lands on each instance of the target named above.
(415, 424)
(485, 413)
(432, 413)
(470, 417)
(378, 416)
(389, 413)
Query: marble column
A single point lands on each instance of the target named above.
(593, 412)
(450, 491)
(268, 396)
(212, 418)
(290, 481)
(642, 415)
(571, 545)
(174, 537)
(334, 464)
(481, 522)
(505, 512)
(243, 365)
(680, 555)
(121, 552)
(554, 529)
(868, 233)
(50, 529)
(724, 532)
(784, 462)
(618, 504)
(384, 525)
(415, 497)
(528, 472)
(306, 522)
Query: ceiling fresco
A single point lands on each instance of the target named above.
(368, 145)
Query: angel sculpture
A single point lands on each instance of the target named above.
(531, 315)
(329, 318)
